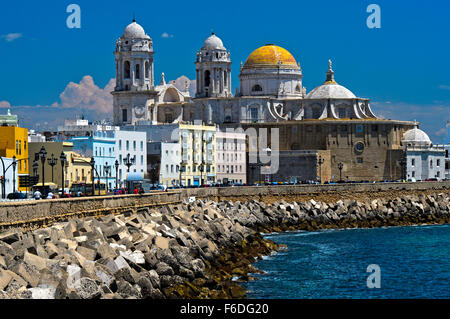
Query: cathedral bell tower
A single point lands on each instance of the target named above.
(134, 76)
(213, 66)
(134, 60)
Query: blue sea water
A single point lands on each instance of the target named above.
(414, 262)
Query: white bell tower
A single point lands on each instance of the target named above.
(213, 66)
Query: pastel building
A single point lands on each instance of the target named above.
(164, 163)
(198, 166)
(101, 145)
(231, 157)
(135, 144)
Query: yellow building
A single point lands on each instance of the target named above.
(78, 169)
(14, 142)
(198, 163)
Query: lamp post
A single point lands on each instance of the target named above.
(93, 175)
(63, 159)
(128, 162)
(52, 161)
(116, 164)
(340, 167)
(107, 169)
(43, 156)
(14, 163)
(201, 173)
(320, 162)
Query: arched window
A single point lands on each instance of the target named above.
(225, 77)
(138, 71)
(147, 69)
(257, 88)
(297, 89)
(126, 70)
(207, 78)
(254, 114)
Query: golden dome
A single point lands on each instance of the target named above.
(270, 56)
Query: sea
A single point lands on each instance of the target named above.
(384, 263)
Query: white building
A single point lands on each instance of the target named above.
(133, 144)
(231, 157)
(164, 163)
(9, 177)
(423, 160)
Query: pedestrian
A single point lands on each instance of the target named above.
(37, 195)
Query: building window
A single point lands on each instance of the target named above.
(138, 74)
(431, 163)
(254, 114)
(126, 70)
(128, 145)
(147, 69)
(142, 146)
(120, 145)
(438, 174)
(413, 162)
(124, 115)
(257, 88)
(134, 145)
(342, 113)
(413, 174)
(438, 162)
(142, 159)
(207, 78)
(359, 160)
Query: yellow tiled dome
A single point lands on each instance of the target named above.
(270, 56)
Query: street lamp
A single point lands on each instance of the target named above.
(43, 156)
(340, 167)
(128, 162)
(320, 162)
(14, 163)
(52, 161)
(93, 175)
(201, 173)
(107, 169)
(62, 159)
(116, 164)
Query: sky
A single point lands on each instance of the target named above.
(49, 72)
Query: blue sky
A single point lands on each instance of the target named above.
(403, 67)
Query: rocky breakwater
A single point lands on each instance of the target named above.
(190, 250)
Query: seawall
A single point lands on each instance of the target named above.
(185, 250)
(40, 213)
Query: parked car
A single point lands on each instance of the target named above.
(16, 195)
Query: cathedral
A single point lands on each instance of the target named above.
(328, 130)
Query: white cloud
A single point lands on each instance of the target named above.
(180, 84)
(166, 35)
(84, 98)
(444, 87)
(86, 95)
(4, 104)
(11, 36)
(431, 117)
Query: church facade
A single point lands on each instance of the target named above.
(329, 119)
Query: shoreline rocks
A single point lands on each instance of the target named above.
(190, 250)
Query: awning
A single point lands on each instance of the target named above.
(135, 176)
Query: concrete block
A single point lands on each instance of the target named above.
(43, 292)
(5, 279)
(34, 260)
(161, 242)
(87, 253)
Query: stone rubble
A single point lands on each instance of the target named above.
(191, 250)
